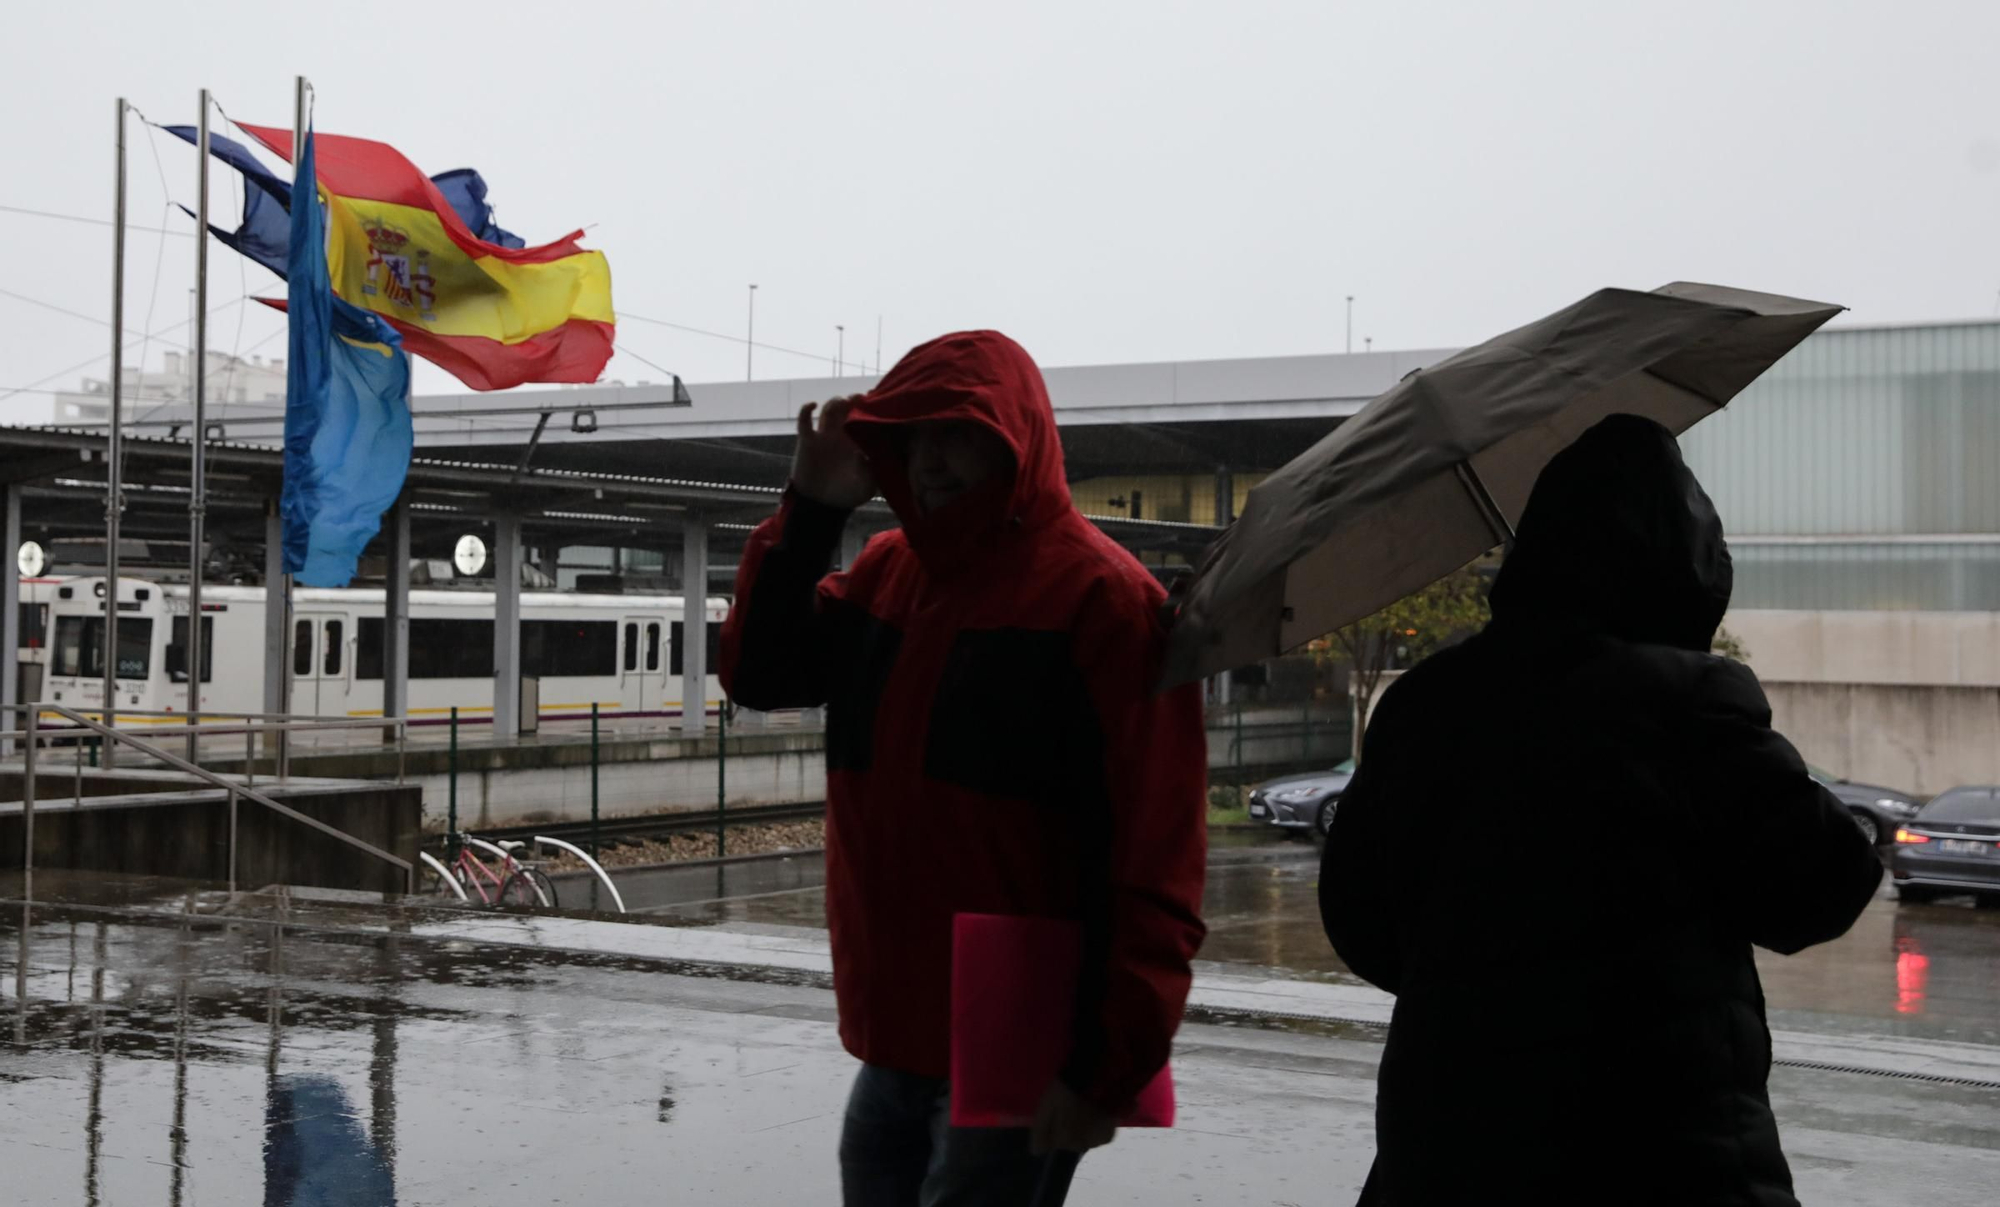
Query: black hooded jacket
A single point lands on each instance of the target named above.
(1565, 836)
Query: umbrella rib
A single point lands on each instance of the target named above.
(1482, 500)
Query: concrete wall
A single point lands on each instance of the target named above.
(1275, 740)
(549, 781)
(184, 835)
(1936, 648)
(1920, 739)
(537, 782)
(520, 795)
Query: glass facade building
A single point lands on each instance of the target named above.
(1863, 472)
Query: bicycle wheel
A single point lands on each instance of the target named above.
(528, 888)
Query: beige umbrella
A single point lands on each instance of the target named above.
(1434, 473)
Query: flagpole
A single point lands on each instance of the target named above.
(114, 498)
(198, 492)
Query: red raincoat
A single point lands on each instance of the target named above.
(994, 744)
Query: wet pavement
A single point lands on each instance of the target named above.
(1930, 971)
(324, 1049)
(232, 1062)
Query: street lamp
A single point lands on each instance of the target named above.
(1350, 322)
(750, 337)
(840, 351)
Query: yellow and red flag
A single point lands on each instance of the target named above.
(492, 316)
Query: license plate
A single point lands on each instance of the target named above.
(1962, 846)
(1258, 810)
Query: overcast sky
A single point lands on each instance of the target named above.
(1107, 181)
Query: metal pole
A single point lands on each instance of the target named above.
(722, 781)
(198, 489)
(593, 779)
(840, 351)
(232, 843)
(878, 344)
(114, 453)
(1350, 322)
(750, 341)
(11, 636)
(451, 766)
(1239, 747)
(33, 724)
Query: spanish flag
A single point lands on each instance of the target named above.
(492, 316)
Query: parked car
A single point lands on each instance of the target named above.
(1952, 845)
(1877, 810)
(1301, 804)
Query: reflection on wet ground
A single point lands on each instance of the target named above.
(1928, 970)
(230, 1060)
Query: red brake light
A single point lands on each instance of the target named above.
(1906, 836)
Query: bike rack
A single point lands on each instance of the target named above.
(444, 874)
(577, 851)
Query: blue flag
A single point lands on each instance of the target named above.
(265, 233)
(348, 433)
(465, 189)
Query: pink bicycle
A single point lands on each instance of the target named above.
(506, 880)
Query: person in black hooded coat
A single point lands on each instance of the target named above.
(1564, 838)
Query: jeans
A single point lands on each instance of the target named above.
(898, 1149)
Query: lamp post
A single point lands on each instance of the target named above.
(750, 339)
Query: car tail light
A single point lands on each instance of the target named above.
(1906, 836)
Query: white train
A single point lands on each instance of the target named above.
(620, 652)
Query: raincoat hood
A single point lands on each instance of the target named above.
(1619, 539)
(977, 377)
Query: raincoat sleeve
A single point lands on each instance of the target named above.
(1356, 904)
(776, 641)
(1829, 869)
(1142, 919)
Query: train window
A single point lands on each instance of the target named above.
(569, 647)
(713, 648)
(631, 647)
(34, 618)
(336, 644)
(79, 649)
(653, 645)
(302, 648)
(179, 637)
(368, 632)
(450, 649)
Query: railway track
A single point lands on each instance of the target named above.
(615, 829)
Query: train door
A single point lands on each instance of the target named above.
(320, 672)
(642, 663)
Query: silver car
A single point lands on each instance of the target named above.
(1301, 804)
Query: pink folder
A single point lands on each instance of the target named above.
(1013, 993)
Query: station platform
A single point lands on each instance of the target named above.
(165, 1044)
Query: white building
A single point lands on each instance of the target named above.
(231, 379)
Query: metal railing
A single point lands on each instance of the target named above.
(251, 725)
(33, 734)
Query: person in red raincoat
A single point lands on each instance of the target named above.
(994, 745)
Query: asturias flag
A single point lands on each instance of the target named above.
(348, 434)
(494, 316)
